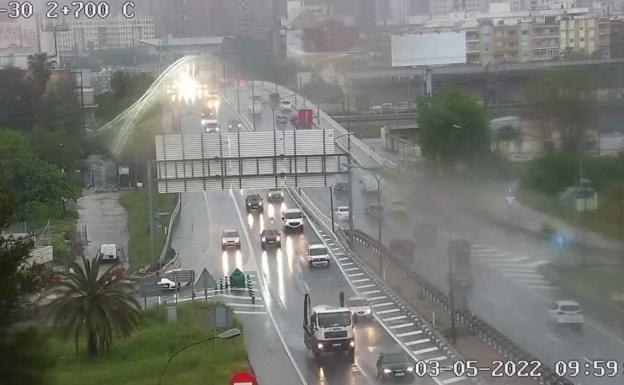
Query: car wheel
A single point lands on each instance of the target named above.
(279, 245)
(223, 247)
(263, 246)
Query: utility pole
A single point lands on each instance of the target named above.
(253, 106)
(331, 207)
(150, 208)
(452, 290)
(238, 90)
(224, 80)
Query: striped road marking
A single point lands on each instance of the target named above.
(394, 318)
(401, 335)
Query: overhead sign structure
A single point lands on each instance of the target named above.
(246, 160)
(437, 48)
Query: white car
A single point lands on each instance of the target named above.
(108, 253)
(566, 312)
(230, 238)
(342, 213)
(286, 106)
(360, 308)
(166, 284)
(210, 125)
(318, 255)
(293, 220)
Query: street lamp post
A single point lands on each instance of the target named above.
(231, 333)
(331, 207)
(452, 291)
(238, 90)
(253, 105)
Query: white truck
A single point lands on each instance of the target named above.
(328, 329)
(109, 253)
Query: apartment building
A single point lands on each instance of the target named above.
(585, 35)
(85, 35)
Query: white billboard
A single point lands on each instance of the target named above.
(428, 49)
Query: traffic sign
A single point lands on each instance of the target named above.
(243, 378)
(560, 241)
(510, 193)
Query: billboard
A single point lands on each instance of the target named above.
(428, 49)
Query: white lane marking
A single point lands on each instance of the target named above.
(377, 298)
(266, 293)
(439, 358)
(417, 342)
(355, 275)
(543, 287)
(453, 380)
(388, 311)
(365, 286)
(352, 269)
(523, 275)
(394, 318)
(587, 359)
(401, 326)
(249, 312)
(531, 280)
(360, 280)
(382, 304)
(344, 259)
(347, 263)
(537, 263)
(406, 334)
(234, 304)
(370, 292)
(426, 350)
(513, 267)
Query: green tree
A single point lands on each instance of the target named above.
(96, 305)
(453, 127)
(19, 99)
(565, 100)
(32, 180)
(40, 67)
(60, 109)
(22, 350)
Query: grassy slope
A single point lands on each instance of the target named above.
(139, 359)
(136, 204)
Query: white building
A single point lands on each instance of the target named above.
(114, 32)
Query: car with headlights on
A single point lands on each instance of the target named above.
(234, 125)
(270, 237)
(230, 238)
(395, 365)
(275, 196)
(318, 255)
(360, 308)
(253, 202)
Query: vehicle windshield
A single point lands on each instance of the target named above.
(212, 125)
(230, 233)
(343, 209)
(318, 251)
(293, 215)
(395, 358)
(358, 302)
(334, 319)
(570, 308)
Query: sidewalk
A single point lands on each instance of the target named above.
(105, 219)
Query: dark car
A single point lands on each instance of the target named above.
(275, 196)
(341, 187)
(395, 365)
(234, 125)
(270, 237)
(375, 211)
(253, 202)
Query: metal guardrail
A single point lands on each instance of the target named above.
(486, 332)
(173, 220)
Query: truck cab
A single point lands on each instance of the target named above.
(109, 253)
(328, 329)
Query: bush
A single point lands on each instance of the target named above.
(551, 173)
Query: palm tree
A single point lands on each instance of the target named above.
(96, 305)
(40, 67)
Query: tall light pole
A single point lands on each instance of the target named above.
(349, 181)
(231, 333)
(253, 105)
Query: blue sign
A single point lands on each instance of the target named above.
(560, 241)
(510, 190)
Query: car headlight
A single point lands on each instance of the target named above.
(319, 346)
(352, 344)
(368, 311)
(263, 239)
(203, 121)
(277, 239)
(387, 371)
(410, 369)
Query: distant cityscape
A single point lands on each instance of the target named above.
(513, 31)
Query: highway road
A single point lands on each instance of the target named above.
(509, 292)
(282, 276)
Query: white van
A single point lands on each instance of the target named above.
(293, 220)
(108, 253)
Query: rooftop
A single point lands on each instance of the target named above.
(183, 41)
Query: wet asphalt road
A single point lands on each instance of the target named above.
(509, 291)
(283, 278)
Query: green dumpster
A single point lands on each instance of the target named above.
(237, 279)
